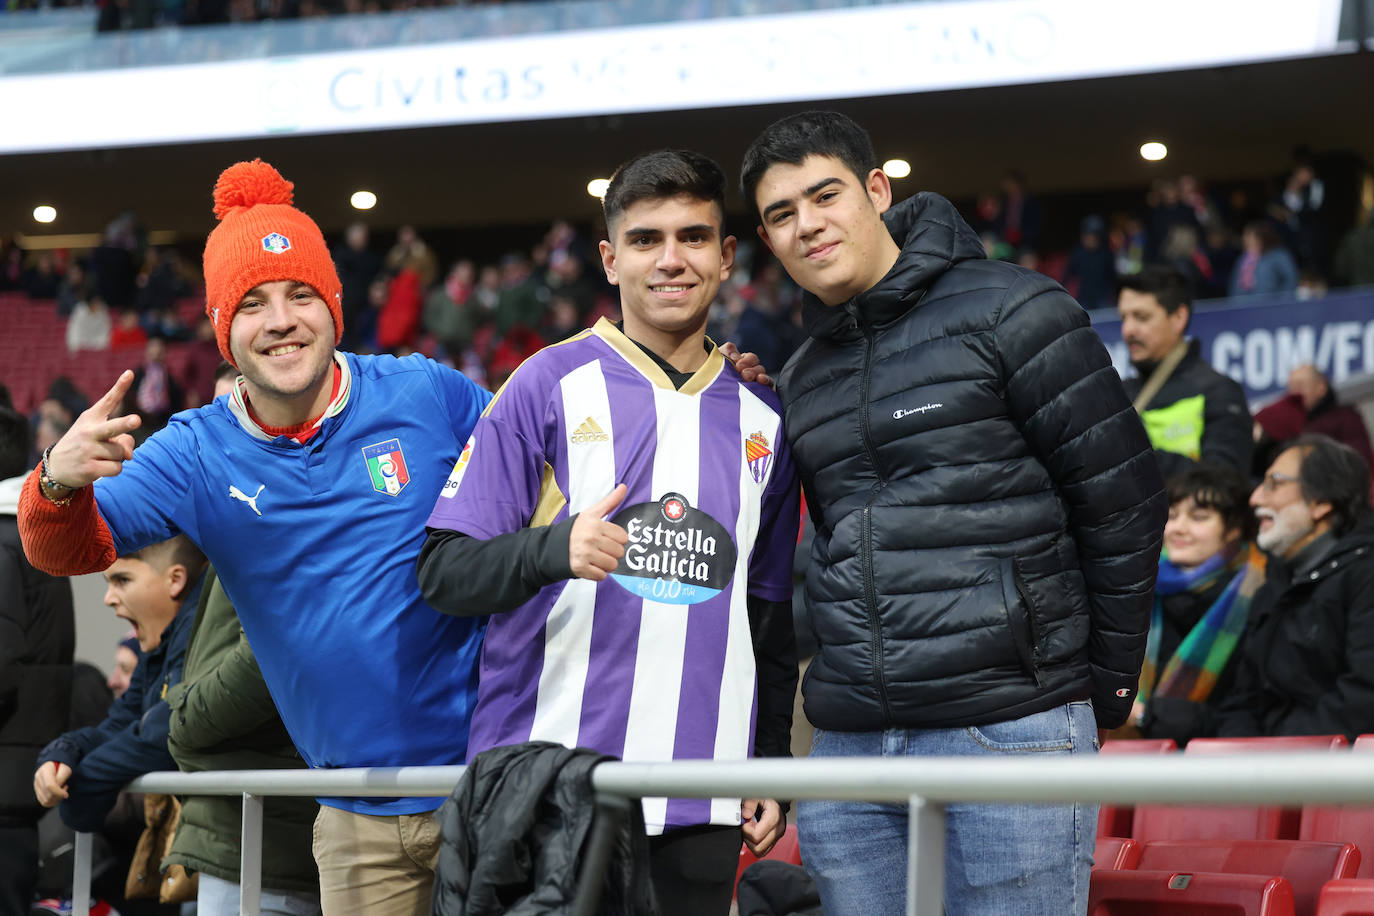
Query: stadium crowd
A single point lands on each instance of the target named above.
(1133, 558)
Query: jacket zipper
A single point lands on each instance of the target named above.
(866, 536)
(871, 601)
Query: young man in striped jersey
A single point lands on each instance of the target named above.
(663, 632)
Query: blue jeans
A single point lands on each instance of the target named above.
(1019, 860)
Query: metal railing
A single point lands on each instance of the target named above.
(927, 785)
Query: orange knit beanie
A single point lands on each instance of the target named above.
(261, 238)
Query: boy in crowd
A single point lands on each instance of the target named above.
(156, 589)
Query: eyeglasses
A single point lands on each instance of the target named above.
(1273, 480)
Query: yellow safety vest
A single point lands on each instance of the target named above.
(1178, 427)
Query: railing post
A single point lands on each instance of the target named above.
(250, 866)
(925, 869)
(81, 874)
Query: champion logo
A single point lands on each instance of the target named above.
(236, 493)
(276, 243)
(589, 431)
(898, 414)
(1124, 692)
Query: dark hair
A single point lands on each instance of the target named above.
(791, 139)
(1333, 473)
(1266, 233)
(1170, 287)
(1218, 487)
(16, 443)
(660, 174)
(225, 370)
(176, 549)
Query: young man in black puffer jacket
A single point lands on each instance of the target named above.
(988, 520)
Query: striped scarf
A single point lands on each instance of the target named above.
(1202, 656)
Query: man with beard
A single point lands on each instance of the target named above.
(1307, 660)
(1191, 411)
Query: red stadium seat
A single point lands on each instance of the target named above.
(1277, 743)
(1344, 823)
(1163, 893)
(1348, 897)
(786, 849)
(1238, 822)
(1115, 820)
(1306, 866)
(1115, 852)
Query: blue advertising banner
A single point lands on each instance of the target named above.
(1258, 343)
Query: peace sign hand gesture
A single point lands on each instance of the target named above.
(97, 445)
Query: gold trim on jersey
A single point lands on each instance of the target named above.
(632, 354)
(551, 500)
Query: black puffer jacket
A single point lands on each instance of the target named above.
(516, 830)
(988, 510)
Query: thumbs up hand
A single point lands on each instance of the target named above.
(596, 545)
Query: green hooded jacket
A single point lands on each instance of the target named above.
(223, 718)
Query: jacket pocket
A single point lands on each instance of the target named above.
(1020, 618)
(1051, 587)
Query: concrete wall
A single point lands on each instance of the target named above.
(98, 630)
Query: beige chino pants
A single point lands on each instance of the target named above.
(376, 864)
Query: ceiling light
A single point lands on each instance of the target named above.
(1153, 151)
(44, 214)
(597, 187)
(897, 168)
(363, 200)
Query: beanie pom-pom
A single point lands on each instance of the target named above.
(247, 184)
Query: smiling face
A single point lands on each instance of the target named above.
(144, 596)
(282, 339)
(669, 258)
(1287, 521)
(1194, 533)
(825, 225)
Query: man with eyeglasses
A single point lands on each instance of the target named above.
(1307, 657)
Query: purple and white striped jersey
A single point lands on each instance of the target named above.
(656, 662)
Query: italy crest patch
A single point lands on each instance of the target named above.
(386, 466)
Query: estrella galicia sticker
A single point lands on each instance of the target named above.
(676, 554)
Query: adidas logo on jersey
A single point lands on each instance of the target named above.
(589, 431)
